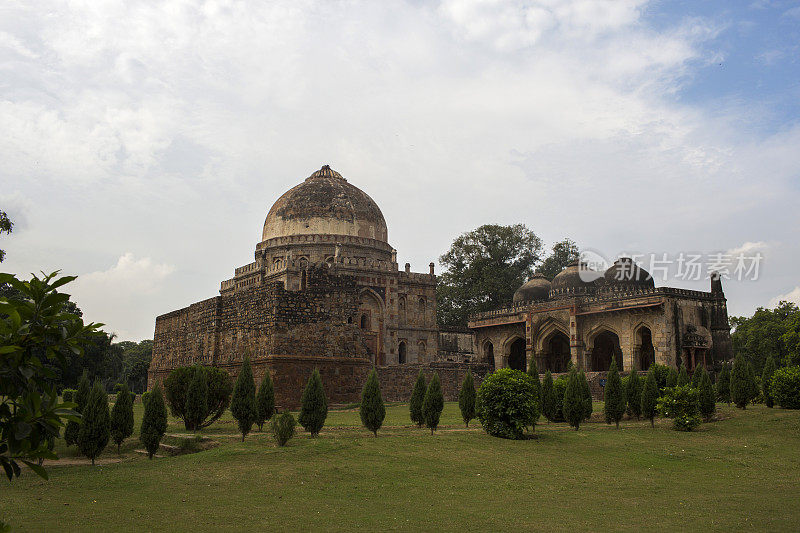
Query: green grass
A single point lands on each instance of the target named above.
(740, 472)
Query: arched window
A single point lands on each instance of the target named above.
(422, 351)
(349, 320)
(421, 305)
(488, 350)
(364, 321)
(401, 353)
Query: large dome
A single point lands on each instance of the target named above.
(325, 204)
(536, 288)
(626, 274)
(576, 278)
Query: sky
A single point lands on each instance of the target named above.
(143, 143)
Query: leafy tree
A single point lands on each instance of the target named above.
(767, 333)
(586, 394)
(484, 268)
(708, 403)
(723, 386)
(122, 417)
(742, 382)
(672, 379)
(154, 420)
(35, 330)
(785, 387)
(466, 398)
(650, 397)
(6, 226)
(417, 398)
(197, 400)
(372, 410)
(313, 405)
(614, 396)
(81, 397)
(548, 399)
(136, 359)
(220, 386)
(243, 402)
(574, 409)
(662, 372)
(283, 427)
(766, 380)
(633, 393)
(683, 376)
(791, 339)
(533, 372)
(508, 403)
(433, 403)
(265, 400)
(564, 252)
(96, 424)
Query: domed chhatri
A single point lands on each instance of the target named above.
(325, 204)
(536, 288)
(625, 273)
(577, 278)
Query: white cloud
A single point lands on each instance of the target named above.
(791, 296)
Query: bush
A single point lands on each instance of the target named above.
(743, 387)
(559, 388)
(650, 394)
(785, 387)
(417, 397)
(220, 387)
(696, 377)
(122, 417)
(508, 403)
(633, 394)
(372, 410)
(586, 394)
(283, 428)
(661, 373)
(466, 398)
(196, 401)
(81, 397)
(707, 399)
(723, 385)
(243, 402)
(154, 420)
(614, 396)
(548, 400)
(433, 403)
(682, 405)
(573, 407)
(672, 380)
(265, 400)
(313, 405)
(683, 376)
(96, 424)
(766, 381)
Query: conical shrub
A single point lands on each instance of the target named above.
(196, 400)
(372, 410)
(313, 405)
(708, 403)
(466, 398)
(614, 396)
(283, 427)
(683, 376)
(417, 398)
(243, 401)
(81, 397)
(649, 402)
(433, 403)
(586, 394)
(548, 400)
(634, 394)
(154, 420)
(723, 386)
(574, 409)
(122, 417)
(96, 424)
(265, 400)
(672, 378)
(742, 382)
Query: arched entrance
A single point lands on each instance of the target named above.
(647, 353)
(516, 355)
(401, 353)
(488, 350)
(558, 355)
(606, 347)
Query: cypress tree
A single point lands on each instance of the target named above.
(574, 409)
(766, 381)
(672, 378)
(586, 394)
(614, 396)
(634, 394)
(707, 402)
(696, 377)
(96, 424)
(683, 376)
(243, 401)
(417, 397)
(154, 421)
(372, 410)
(433, 403)
(741, 386)
(723, 387)
(122, 417)
(265, 400)
(466, 398)
(81, 397)
(313, 405)
(196, 400)
(548, 400)
(650, 397)
(533, 372)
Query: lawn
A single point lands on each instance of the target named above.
(740, 472)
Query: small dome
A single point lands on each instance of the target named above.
(577, 278)
(536, 288)
(626, 274)
(325, 204)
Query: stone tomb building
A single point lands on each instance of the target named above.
(587, 318)
(324, 291)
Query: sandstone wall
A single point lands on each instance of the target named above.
(397, 382)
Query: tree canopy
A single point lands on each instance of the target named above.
(769, 332)
(563, 253)
(6, 226)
